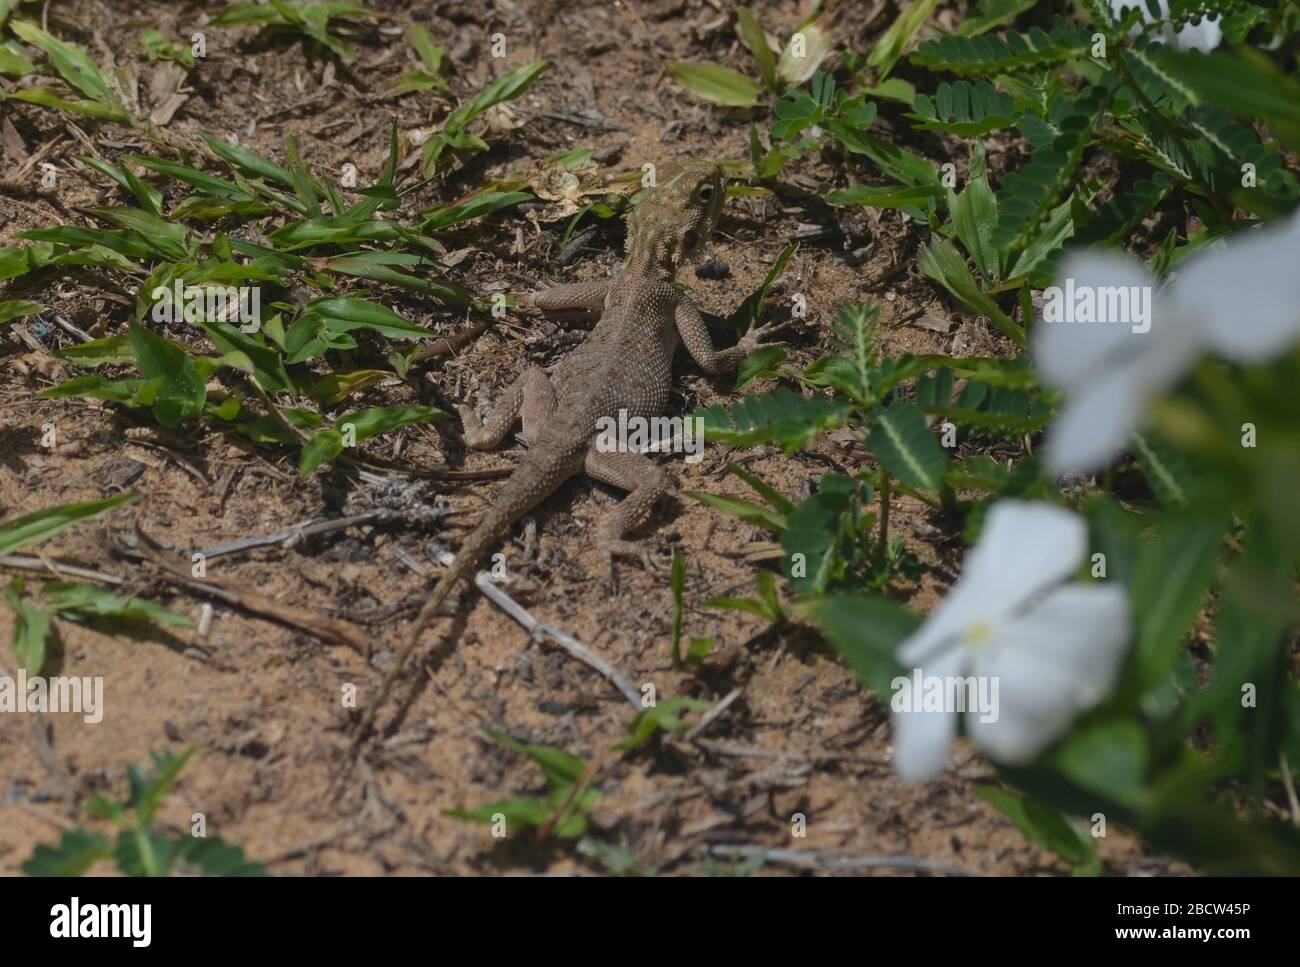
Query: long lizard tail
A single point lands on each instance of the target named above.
(538, 475)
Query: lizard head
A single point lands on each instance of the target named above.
(677, 216)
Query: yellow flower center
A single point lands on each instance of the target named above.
(978, 634)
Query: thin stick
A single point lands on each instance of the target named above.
(813, 860)
(1290, 790)
(297, 531)
(709, 717)
(483, 581)
(24, 563)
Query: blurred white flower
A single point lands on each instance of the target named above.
(1239, 299)
(1204, 36)
(1053, 647)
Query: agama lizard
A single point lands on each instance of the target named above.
(624, 364)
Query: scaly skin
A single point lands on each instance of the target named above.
(624, 364)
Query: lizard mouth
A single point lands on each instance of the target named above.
(690, 243)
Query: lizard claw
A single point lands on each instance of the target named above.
(611, 549)
(760, 336)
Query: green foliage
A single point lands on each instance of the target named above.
(564, 808)
(139, 847)
(986, 56)
(453, 137)
(663, 717)
(102, 101)
(312, 19)
(964, 109)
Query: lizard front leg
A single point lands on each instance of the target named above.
(695, 335)
(574, 295)
(645, 481)
(530, 397)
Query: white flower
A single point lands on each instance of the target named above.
(1204, 36)
(1051, 647)
(1239, 300)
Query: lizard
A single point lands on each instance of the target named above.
(625, 363)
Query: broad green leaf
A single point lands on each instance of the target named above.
(250, 161)
(992, 13)
(45, 97)
(31, 626)
(866, 631)
(1042, 825)
(746, 510)
(181, 392)
(663, 717)
(110, 349)
(899, 164)
(346, 313)
(716, 83)
(886, 196)
(1109, 758)
(324, 447)
(169, 240)
(17, 309)
(751, 33)
(1173, 573)
(73, 64)
(436, 219)
(371, 422)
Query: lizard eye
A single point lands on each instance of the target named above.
(705, 194)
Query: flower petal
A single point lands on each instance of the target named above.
(1070, 354)
(1096, 425)
(1053, 663)
(1024, 548)
(1245, 296)
(921, 738)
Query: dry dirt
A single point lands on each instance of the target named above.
(262, 702)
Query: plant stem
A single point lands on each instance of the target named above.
(882, 542)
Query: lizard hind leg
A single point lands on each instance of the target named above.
(645, 481)
(527, 397)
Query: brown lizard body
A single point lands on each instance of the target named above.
(624, 364)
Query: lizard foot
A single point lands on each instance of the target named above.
(761, 336)
(611, 549)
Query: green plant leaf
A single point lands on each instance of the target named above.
(751, 33)
(891, 44)
(181, 392)
(778, 417)
(73, 64)
(1043, 825)
(82, 601)
(41, 526)
(866, 631)
(715, 83)
(663, 717)
(906, 447)
(31, 627)
(78, 850)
